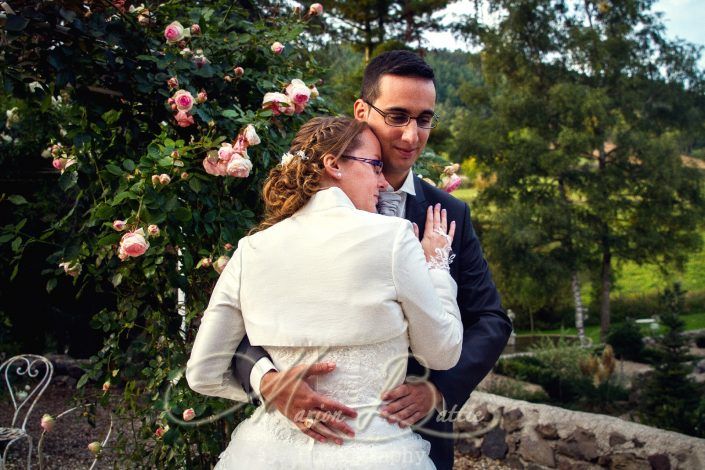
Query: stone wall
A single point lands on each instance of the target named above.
(532, 436)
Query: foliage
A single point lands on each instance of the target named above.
(626, 339)
(700, 341)
(669, 399)
(584, 114)
(94, 78)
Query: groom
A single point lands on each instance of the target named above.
(398, 101)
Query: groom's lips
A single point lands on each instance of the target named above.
(406, 153)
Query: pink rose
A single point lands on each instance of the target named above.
(95, 447)
(164, 178)
(47, 423)
(450, 183)
(277, 47)
(239, 167)
(298, 92)
(314, 92)
(173, 82)
(153, 231)
(106, 385)
(278, 102)
(119, 225)
(239, 71)
(174, 32)
(184, 175)
(251, 136)
(226, 152)
(185, 52)
(202, 96)
(59, 164)
(133, 244)
(160, 432)
(188, 414)
(315, 9)
(228, 246)
(144, 18)
(204, 263)
(220, 264)
(184, 119)
(217, 168)
(155, 180)
(183, 100)
(200, 59)
(195, 29)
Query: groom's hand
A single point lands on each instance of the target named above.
(315, 415)
(410, 402)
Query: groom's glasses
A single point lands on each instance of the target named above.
(399, 119)
(377, 164)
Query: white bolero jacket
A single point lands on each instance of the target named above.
(330, 275)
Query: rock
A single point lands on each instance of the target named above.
(564, 463)
(512, 420)
(616, 439)
(547, 431)
(637, 443)
(493, 445)
(537, 451)
(482, 413)
(514, 463)
(580, 445)
(467, 447)
(700, 366)
(660, 462)
(628, 462)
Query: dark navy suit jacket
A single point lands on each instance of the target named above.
(486, 326)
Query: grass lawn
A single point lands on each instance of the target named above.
(693, 321)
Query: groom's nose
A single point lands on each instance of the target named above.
(411, 133)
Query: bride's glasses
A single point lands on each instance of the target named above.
(377, 164)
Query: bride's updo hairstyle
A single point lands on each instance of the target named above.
(291, 184)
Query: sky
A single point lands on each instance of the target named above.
(683, 19)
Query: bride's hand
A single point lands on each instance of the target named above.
(436, 233)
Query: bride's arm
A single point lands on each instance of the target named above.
(222, 328)
(428, 299)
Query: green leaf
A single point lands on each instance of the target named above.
(103, 211)
(128, 165)
(6, 237)
(68, 180)
(230, 113)
(109, 239)
(82, 381)
(194, 184)
(182, 214)
(114, 169)
(51, 284)
(16, 244)
(165, 162)
(122, 196)
(17, 200)
(110, 117)
(117, 279)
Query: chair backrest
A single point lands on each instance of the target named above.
(25, 376)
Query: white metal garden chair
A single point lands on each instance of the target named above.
(25, 377)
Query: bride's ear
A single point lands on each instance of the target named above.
(331, 167)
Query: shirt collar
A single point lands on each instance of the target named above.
(408, 185)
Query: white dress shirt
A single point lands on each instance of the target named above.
(330, 275)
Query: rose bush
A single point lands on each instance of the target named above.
(159, 133)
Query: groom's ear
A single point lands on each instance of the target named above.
(360, 110)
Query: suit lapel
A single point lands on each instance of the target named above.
(415, 210)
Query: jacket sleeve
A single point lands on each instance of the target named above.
(427, 298)
(486, 326)
(222, 328)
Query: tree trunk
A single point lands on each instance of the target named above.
(606, 278)
(579, 309)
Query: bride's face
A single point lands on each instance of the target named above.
(362, 180)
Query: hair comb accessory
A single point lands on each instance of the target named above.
(288, 157)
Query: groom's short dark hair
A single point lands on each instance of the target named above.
(401, 63)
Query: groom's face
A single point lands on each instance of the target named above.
(401, 146)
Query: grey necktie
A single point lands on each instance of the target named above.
(389, 202)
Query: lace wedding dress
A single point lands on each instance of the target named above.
(268, 440)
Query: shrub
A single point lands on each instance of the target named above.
(626, 340)
(700, 341)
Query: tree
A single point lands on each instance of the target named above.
(370, 23)
(151, 129)
(585, 113)
(669, 398)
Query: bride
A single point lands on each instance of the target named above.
(325, 278)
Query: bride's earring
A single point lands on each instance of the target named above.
(339, 174)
